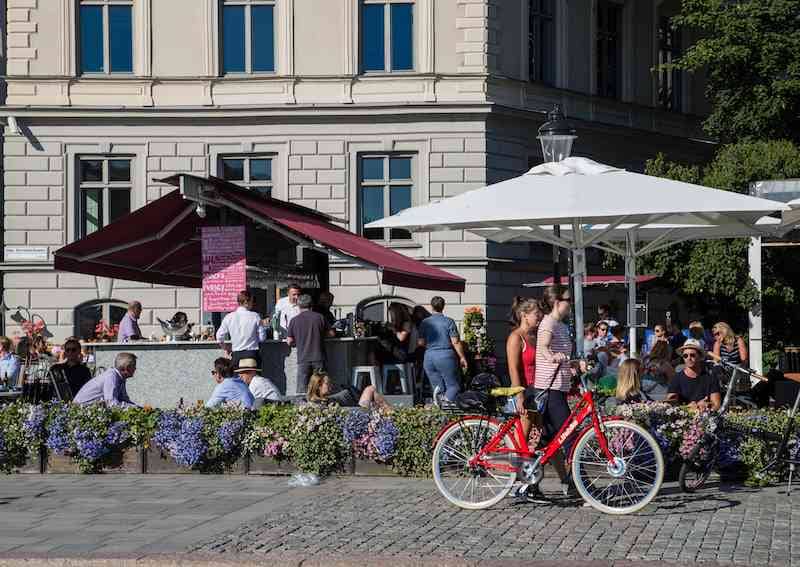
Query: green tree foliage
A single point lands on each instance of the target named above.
(750, 52)
(715, 273)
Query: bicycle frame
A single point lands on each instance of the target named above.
(585, 408)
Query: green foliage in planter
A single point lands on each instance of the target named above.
(142, 424)
(316, 442)
(417, 428)
(271, 428)
(223, 429)
(21, 430)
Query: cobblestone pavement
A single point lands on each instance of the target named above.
(231, 517)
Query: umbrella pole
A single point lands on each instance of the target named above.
(630, 280)
(578, 273)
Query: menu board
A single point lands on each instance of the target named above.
(224, 267)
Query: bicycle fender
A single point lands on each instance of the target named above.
(462, 418)
(580, 433)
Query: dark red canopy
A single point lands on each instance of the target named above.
(160, 243)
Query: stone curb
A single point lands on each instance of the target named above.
(202, 560)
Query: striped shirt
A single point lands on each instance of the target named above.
(560, 342)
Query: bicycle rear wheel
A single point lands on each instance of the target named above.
(473, 488)
(631, 481)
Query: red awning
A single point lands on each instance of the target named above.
(160, 243)
(594, 280)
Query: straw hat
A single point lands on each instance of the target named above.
(693, 344)
(247, 364)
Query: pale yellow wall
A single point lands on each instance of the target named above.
(446, 36)
(319, 36)
(46, 40)
(180, 38)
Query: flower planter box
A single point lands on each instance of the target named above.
(157, 461)
(33, 464)
(366, 467)
(261, 465)
(60, 464)
(128, 461)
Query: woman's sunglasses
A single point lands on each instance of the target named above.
(689, 355)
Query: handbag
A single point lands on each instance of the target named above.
(543, 397)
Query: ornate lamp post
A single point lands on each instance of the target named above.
(556, 136)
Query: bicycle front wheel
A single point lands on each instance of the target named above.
(471, 487)
(625, 485)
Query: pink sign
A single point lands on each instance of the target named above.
(224, 267)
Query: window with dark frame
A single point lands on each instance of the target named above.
(252, 172)
(542, 41)
(387, 36)
(104, 193)
(609, 48)
(88, 315)
(248, 36)
(105, 31)
(386, 186)
(669, 80)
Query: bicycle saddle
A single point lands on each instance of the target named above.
(502, 392)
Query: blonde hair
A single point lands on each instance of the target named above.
(628, 378)
(728, 336)
(315, 385)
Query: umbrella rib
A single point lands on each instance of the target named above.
(656, 244)
(602, 233)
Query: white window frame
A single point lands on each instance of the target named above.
(105, 185)
(247, 182)
(248, 32)
(387, 37)
(387, 183)
(107, 38)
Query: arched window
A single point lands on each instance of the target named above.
(376, 308)
(89, 314)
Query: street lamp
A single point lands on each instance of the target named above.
(556, 136)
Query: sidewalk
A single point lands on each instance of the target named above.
(204, 520)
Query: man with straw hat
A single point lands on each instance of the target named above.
(694, 385)
(261, 388)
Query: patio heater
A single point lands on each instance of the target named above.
(556, 136)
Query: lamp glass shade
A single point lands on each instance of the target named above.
(556, 147)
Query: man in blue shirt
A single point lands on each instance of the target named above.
(9, 364)
(443, 351)
(229, 388)
(109, 387)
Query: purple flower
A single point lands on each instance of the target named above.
(117, 434)
(355, 425)
(90, 445)
(229, 434)
(190, 447)
(58, 434)
(385, 438)
(33, 426)
(168, 431)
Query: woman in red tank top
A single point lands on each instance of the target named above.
(521, 351)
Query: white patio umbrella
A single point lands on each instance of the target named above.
(626, 213)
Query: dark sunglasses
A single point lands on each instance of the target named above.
(689, 355)
(214, 372)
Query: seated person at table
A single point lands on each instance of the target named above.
(260, 387)
(322, 391)
(109, 387)
(9, 363)
(230, 388)
(73, 368)
(629, 383)
(694, 385)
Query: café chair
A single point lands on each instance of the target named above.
(363, 376)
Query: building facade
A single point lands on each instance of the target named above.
(357, 108)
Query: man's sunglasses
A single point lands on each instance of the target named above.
(689, 355)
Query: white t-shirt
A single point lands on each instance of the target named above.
(245, 329)
(262, 388)
(287, 311)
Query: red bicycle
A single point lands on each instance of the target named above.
(617, 466)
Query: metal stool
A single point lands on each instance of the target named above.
(405, 374)
(373, 373)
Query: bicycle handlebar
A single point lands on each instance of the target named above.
(744, 370)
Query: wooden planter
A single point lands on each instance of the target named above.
(157, 461)
(60, 464)
(366, 467)
(260, 465)
(34, 464)
(129, 461)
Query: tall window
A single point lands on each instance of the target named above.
(669, 80)
(104, 193)
(609, 48)
(106, 36)
(387, 35)
(541, 41)
(248, 36)
(89, 315)
(252, 172)
(386, 185)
